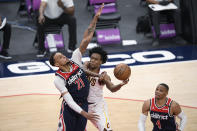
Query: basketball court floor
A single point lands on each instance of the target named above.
(30, 101)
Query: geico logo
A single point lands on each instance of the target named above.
(28, 67)
(143, 57)
(153, 56)
(114, 59)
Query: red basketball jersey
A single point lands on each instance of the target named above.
(160, 116)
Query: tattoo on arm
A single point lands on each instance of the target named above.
(83, 45)
(90, 30)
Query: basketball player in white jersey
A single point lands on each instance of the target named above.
(95, 99)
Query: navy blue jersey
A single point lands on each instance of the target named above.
(77, 83)
(160, 116)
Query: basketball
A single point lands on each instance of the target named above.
(122, 71)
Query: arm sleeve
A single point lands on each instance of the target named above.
(183, 120)
(77, 57)
(71, 103)
(60, 85)
(141, 123)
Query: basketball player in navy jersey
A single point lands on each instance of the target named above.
(163, 111)
(73, 84)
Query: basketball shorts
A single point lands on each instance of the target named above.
(69, 120)
(100, 108)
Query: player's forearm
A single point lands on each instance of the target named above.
(90, 73)
(88, 34)
(115, 88)
(91, 27)
(84, 114)
(111, 86)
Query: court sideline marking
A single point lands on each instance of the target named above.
(29, 94)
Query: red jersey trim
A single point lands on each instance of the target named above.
(165, 108)
(66, 75)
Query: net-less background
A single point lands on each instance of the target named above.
(29, 101)
(21, 46)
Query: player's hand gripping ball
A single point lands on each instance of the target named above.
(122, 71)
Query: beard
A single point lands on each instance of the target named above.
(92, 66)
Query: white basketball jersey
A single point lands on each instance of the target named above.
(98, 105)
(96, 90)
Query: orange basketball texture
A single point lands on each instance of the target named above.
(122, 71)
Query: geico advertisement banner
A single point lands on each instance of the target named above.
(131, 58)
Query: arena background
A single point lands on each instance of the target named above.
(30, 101)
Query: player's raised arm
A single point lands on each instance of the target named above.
(88, 34)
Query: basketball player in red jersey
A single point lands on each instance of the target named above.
(163, 111)
(72, 82)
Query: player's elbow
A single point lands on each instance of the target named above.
(113, 90)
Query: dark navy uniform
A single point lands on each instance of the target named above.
(160, 116)
(78, 86)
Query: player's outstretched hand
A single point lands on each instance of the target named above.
(90, 116)
(124, 82)
(102, 76)
(100, 10)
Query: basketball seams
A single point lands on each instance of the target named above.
(122, 71)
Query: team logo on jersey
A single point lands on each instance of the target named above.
(160, 117)
(92, 81)
(75, 77)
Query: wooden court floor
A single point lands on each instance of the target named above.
(31, 103)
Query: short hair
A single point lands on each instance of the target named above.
(165, 85)
(51, 59)
(101, 52)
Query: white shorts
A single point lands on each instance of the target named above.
(100, 108)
